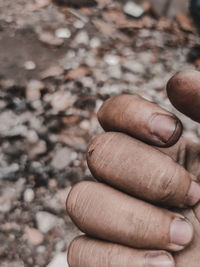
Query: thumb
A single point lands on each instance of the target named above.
(183, 90)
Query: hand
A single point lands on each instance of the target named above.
(144, 212)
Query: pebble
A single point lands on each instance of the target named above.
(50, 39)
(52, 71)
(29, 195)
(85, 125)
(134, 10)
(31, 136)
(134, 67)
(42, 3)
(29, 65)
(33, 89)
(115, 72)
(36, 149)
(63, 33)
(59, 260)
(111, 60)
(9, 170)
(60, 101)
(95, 42)
(62, 158)
(47, 221)
(16, 263)
(11, 194)
(33, 236)
(78, 24)
(60, 245)
(82, 38)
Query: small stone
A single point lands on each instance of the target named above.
(59, 260)
(85, 125)
(95, 42)
(77, 73)
(135, 67)
(50, 39)
(111, 60)
(47, 221)
(29, 65)
(62, 158)
(63, 33)
(10, 226)
(42, 3)
(53, 71)
(60, 101)
(82, 38)
(78, 24)
(52, 184)
(9, 171)
(32, 136)
(10, 195)
(33, 90)
(36, 149)
(41, 249)
(134, 10)
(33, 236)
(29, 195)
(6, 263)
(115, 72)
(60, 246)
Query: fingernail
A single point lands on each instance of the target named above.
(193, 195)
(181, 233)
(156, 259)
(163, 127)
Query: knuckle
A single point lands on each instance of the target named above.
(167, 185)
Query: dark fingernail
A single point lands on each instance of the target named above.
(156, 259)
(193, 195)
(163, 127)
(181, 233)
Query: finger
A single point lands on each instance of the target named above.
(88, 252)
(186, 153)
(140, 118)
(183, 90)
(105, 213)
(141, 170)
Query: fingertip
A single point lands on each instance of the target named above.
(193, 195)
(159, 258)
(181, 234)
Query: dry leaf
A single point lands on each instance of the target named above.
(185, 23)
(103, 27)
(77, 73)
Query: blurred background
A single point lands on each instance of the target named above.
(58, 62)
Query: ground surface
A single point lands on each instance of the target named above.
(57, 66)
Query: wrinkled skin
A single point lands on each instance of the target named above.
(189, 156)
(152, 170)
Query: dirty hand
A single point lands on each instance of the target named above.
(144, 210)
